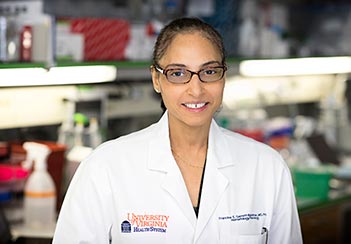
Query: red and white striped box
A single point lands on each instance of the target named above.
(104, 39)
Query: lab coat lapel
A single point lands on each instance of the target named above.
(161, 159)
(174, 185)
(215, 183)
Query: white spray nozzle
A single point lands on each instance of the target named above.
(38, 153)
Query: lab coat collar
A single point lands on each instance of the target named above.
(160, 147)
(215, 183)
(219, 152)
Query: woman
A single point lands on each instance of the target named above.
(183, 179)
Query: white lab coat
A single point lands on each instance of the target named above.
(130, 190)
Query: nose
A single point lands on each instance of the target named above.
(195, 86)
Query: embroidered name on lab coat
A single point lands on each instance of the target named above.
(145, 223)
(244, 217)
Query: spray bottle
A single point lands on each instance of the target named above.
(39, 190)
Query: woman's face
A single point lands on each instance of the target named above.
(195, 102)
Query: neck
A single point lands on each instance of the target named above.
(184, 138)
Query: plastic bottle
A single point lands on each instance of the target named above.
(3, 38)
(79, 129)
(94, 133)
(39, 191)
(79, 151)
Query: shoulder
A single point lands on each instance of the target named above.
(249, 150)
(257, 162)
(117, 152)
(127, 142)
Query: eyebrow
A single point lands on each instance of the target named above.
(184, 66)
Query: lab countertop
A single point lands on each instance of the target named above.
(23, 231)
(335, 197)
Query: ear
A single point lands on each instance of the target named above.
(156, 80)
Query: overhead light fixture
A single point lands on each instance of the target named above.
(295, 66)
(13, 77)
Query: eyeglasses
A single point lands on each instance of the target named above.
(183, 76)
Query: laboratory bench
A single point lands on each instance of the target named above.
(326, 220)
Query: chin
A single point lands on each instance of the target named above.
(198, 121)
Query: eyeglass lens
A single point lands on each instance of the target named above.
(180, 75)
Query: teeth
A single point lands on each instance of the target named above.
(195, 105)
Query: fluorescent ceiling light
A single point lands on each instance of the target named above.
(21, 76)
(57, 75)
(295, 66)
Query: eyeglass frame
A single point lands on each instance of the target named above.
(164, 72)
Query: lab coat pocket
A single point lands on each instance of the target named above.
(245, 239)
(243, 233)
(243, 228)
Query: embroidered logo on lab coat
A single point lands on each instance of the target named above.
(145, 223)
(126, 227)
(243, 217)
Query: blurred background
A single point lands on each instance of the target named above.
(75, 73)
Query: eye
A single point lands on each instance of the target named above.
(210, 71)
(176, 72)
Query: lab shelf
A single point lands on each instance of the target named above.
(21, 65)
(126, 70)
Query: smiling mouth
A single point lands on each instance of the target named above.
(194, 105)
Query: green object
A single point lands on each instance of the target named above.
(312, 183)
(81, 118)
(224, 122)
